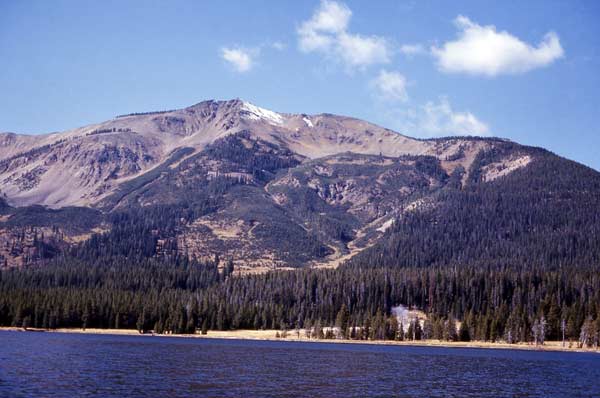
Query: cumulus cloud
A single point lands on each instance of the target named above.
(412, 49)
(241, 59)
(327, 32)
(357, 50)
(438, 119)
(435, 119)
(390, 86)
(318, 33)
(482, 50)
(278, 45)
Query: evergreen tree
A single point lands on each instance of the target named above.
(341, 321)
(463, 332)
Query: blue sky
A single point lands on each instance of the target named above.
(527, 71)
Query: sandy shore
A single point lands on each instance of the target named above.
(293, 336)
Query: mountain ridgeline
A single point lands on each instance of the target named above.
(91, 216)
(271, 190)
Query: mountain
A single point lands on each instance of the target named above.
(269, 189)
(84, 165)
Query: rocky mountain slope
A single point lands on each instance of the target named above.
(265, 189)
(84, 165)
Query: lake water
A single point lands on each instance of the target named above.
(77, 365)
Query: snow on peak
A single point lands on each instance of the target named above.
(254, 112)
(308, 122)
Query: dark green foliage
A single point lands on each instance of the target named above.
(464, 333)
(544, 215)
(430, 166)
(145, 113)
(25, 237)
(4, 207)
(133, 186)
(227, 177)
(106, 294)
(229, 268)
(242, 153)
(184, 296)
(497, 256)
(110, 130)
(30, 154)
(75, 219)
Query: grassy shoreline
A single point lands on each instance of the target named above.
(270, 335)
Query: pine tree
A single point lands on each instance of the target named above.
(140, 322)
(229, 268)
(428, 332)
(392, 328)
(366, 331)
(341, 321)
(463, 332)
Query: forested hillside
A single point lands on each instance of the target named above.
(183, 296)
(545, 215)
(193, 219)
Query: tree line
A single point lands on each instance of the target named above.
(185, 296)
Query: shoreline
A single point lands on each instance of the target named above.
(270, 335)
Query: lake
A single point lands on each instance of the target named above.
(85, 365)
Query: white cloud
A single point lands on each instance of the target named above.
(390, 86)
(327, 32)
(357, 50)
(241, 59)
(318, 33)
(482, 50)
(438, 119)
(278, 45)
(412, 49)
(330, 17)
(435, 119)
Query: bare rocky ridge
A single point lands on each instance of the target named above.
(335, 181)
(84, 165)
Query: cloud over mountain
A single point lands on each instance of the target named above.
(241, 59)
(482, 50)
(438, 119)
(326, 32)
(390, 86)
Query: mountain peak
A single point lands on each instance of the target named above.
(93, 161)
(253, 112)
(345, 179)
(245, 109)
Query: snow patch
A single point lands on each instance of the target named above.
(254, 112)
(308, 122)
